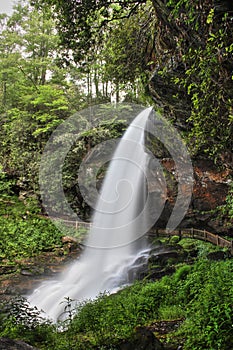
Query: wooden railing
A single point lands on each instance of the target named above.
(196, 234)
(182, 233)
(75, 224)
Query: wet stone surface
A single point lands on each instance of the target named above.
(9, 344)
(22, 278)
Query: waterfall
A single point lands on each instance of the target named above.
(115, 240)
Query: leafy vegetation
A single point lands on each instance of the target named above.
(58, 57)
(197, 38)
(37, 94)
(188, 43)
(200, 295)
(23, 232)
(84, 22)
(178, 52)
(229, 203)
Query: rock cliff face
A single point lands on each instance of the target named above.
(210, 188)
(209, 193)
(211, 182)
(172, 99)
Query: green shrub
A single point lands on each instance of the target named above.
(171, 312)
(209, 313)
(6, 185)
(26, 237)
(182, 272)
(20, 320)
(23, 233)
(111, 318)
(201, 294)
(174, 239)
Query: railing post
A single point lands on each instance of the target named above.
(180, 234)
(205, 235)
(76, 225)
(192, 232)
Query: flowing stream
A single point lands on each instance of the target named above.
(115, 242)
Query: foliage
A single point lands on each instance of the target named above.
(20, 320)
(24, 234)
(110, 42)
(6, 185)
(82, 24)
(209, 313)
(27, 128)
(26, 237)
(202, 298)
(188, 44)
(229, 203)
(35, 95)
(125, 57)
(26, 58)
(201, 295)
(195, 58)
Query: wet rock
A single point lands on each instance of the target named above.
(159, 263)
(192, 253)
(9, 344)
(210, 189)
(70, 243)
(157, 273)
(26, 273)
(32, 271)
(168, 254)
(217, 255)
(165, 327)
(68, 239)
(5, 270)
(137, 272)
(144, 339)
(163, 257)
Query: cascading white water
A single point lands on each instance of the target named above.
(116, 239)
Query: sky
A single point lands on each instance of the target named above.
(6, 6)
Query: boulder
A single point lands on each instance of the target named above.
(221, 255)
(7, 269)
(143, 339)
(170, 252)
(68, 239)
(70, 243)
(10, 344)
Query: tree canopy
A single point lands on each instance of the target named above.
(58, 57)
(187, 44)
(81, 24)
(194, 45)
